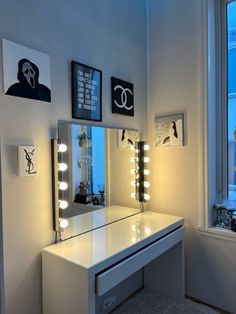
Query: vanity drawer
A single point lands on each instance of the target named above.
(114, 275)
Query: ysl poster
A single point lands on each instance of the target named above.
(27, 161)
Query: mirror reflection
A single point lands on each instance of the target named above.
(88, 175)
(97, 170)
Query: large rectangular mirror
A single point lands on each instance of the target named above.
(94, 177)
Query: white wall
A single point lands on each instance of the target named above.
(175, 78)
(107, 34)
(110, 35)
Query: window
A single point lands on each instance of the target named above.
(219, 112)
(231, 96)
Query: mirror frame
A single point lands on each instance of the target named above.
(140, 189)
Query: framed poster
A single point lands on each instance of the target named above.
(26, 72)
(86, 92)
(126, 138)
(169, 130)
(122, 94)
(27, 161)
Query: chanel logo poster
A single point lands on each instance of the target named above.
(26, 72)
(86, 92)
(122, 97)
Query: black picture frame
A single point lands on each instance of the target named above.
(122, 97)
(86, 92)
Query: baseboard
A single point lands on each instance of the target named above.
(207, 304)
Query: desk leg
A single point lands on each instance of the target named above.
(166, 273)
(66, 288)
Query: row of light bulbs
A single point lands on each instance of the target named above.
(62, 186)
(145, 184)
(136, 159)
(145, 147)
(135, 171)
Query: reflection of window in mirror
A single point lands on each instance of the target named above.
(88, 164)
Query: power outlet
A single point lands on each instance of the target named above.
(109, 302)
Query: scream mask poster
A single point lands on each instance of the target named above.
(26, 72)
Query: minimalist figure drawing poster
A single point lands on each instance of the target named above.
(169, 130)
(126, 138)
(26, 72)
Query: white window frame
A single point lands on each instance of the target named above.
(213, 131)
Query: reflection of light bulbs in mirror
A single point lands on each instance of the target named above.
(62, 148)
(133, 195)
(134, 159)
(133, 227)
(63, 186)
(146, 159)
(146, 172)
(63, 204)
(133, 183)
(62, 166)
(64, 223)
(132, 171)
(146, 184)
(146, 197)
(147, 230)
(146, 147)
(132, 147)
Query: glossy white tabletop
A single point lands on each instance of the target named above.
(95, 219)
(115, 240)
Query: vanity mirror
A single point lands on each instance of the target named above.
(92, 177)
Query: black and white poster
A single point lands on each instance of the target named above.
(27, 161)
(26, 72)
(86, 92)
(169, 130)
(127, 138)
(122, 94)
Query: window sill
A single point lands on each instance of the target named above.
(217, 232)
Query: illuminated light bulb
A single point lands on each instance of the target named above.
(133, 227)
(132, 147)
(63, 186)
(146, 159)
(132, 159)
(63, 204)
(62, 148)
(133, 183)
(146, 147)
(146, 197)
(146, 172)
(134, 240)
(133, 195)
(64, 223)
(62, 166)
(146, 184)
(147, 230)
(132, 171)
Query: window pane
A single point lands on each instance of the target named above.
(231, 29)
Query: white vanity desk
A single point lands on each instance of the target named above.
(79, 271)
